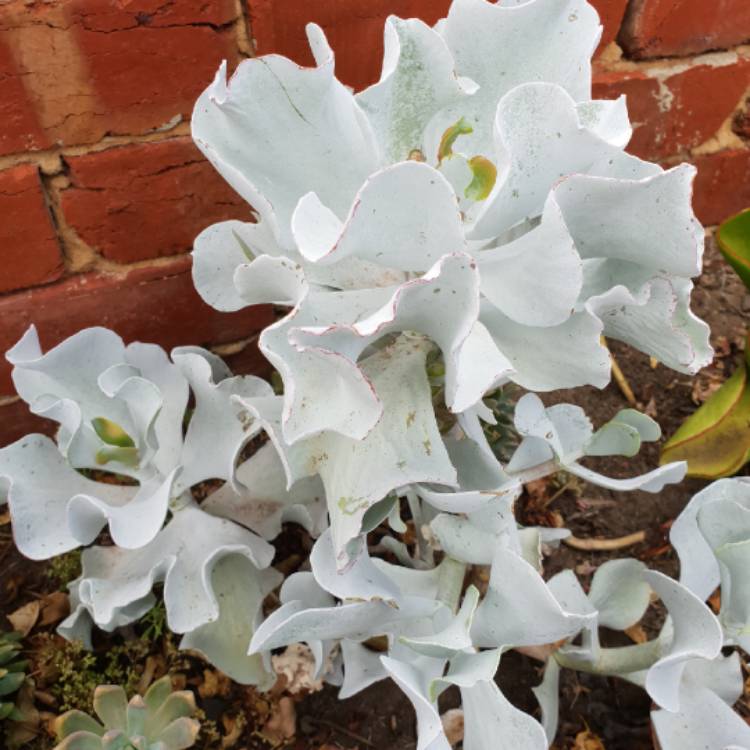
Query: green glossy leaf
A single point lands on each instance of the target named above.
(485, 176)
(111, 433)
(6, 709)
(445, 150)
(734, 242)
(11, 682)
(715, 440)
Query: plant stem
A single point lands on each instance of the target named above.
(614, 660)
(451, 582)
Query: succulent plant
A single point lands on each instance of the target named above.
(12, 673)
(160, 720)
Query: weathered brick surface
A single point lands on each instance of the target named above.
(16, 421)
(611, 13)
(356, 34)
(29, 249)
(146, 200)
(722, 187)
(156, 304)
(675, 111)
(74, 71)
(663, 28)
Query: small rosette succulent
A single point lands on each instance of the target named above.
(12, 673)
(160, 720)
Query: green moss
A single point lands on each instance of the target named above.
(63, 569)
(74, 672)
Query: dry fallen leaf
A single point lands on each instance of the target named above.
(636, 633)
(24, 618)
(5, 518)
(283, 724)
(297, 665)
(214, 683)
(453, 725)
(587, 740)
(54, 607)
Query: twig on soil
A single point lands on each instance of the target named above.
(342, 730)
(620, 379)
(605, 545)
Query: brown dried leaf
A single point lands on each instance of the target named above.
(453, 725)
(54, 607)
(283, 724)
(5, 517)
(587, 740)
(214, 683)
(24, 618)
(636, 633)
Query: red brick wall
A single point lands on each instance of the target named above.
(102, 192)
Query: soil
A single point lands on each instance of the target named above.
(381, 717)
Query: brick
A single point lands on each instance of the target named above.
(664, 28)
(16, 421)
(611, 13)
(29, 248)
(722, 187)
(146, 200)
(154, 304)
(72, 72)
(741, 121)
(356, 35)
(674, 113)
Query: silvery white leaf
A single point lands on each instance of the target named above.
(418, 80)
(725, 524)
(519, 609)
(217, 253)
(405, 217)
(307, 375)
(263, 501)
(455, 637)
(239, 589)
(491, 721)
(404, 447)
(152, 363)
(215, 432)
(699, 570)
(78, 625)
(490, 44)
(534, 280)
(703, 722)
(619, 593)
(294, 622)
(722, 676)
(648, 222)
(567, 355)
(114, 578)
(362, 668)
(563, 433)
(697, 634)
(415, 682)
(443, 304)
(540, 137)
(461, 539)
(547, 694)
(41, 485)
(310, 135)
(656, 320)
(361, 580)
(268, 280)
